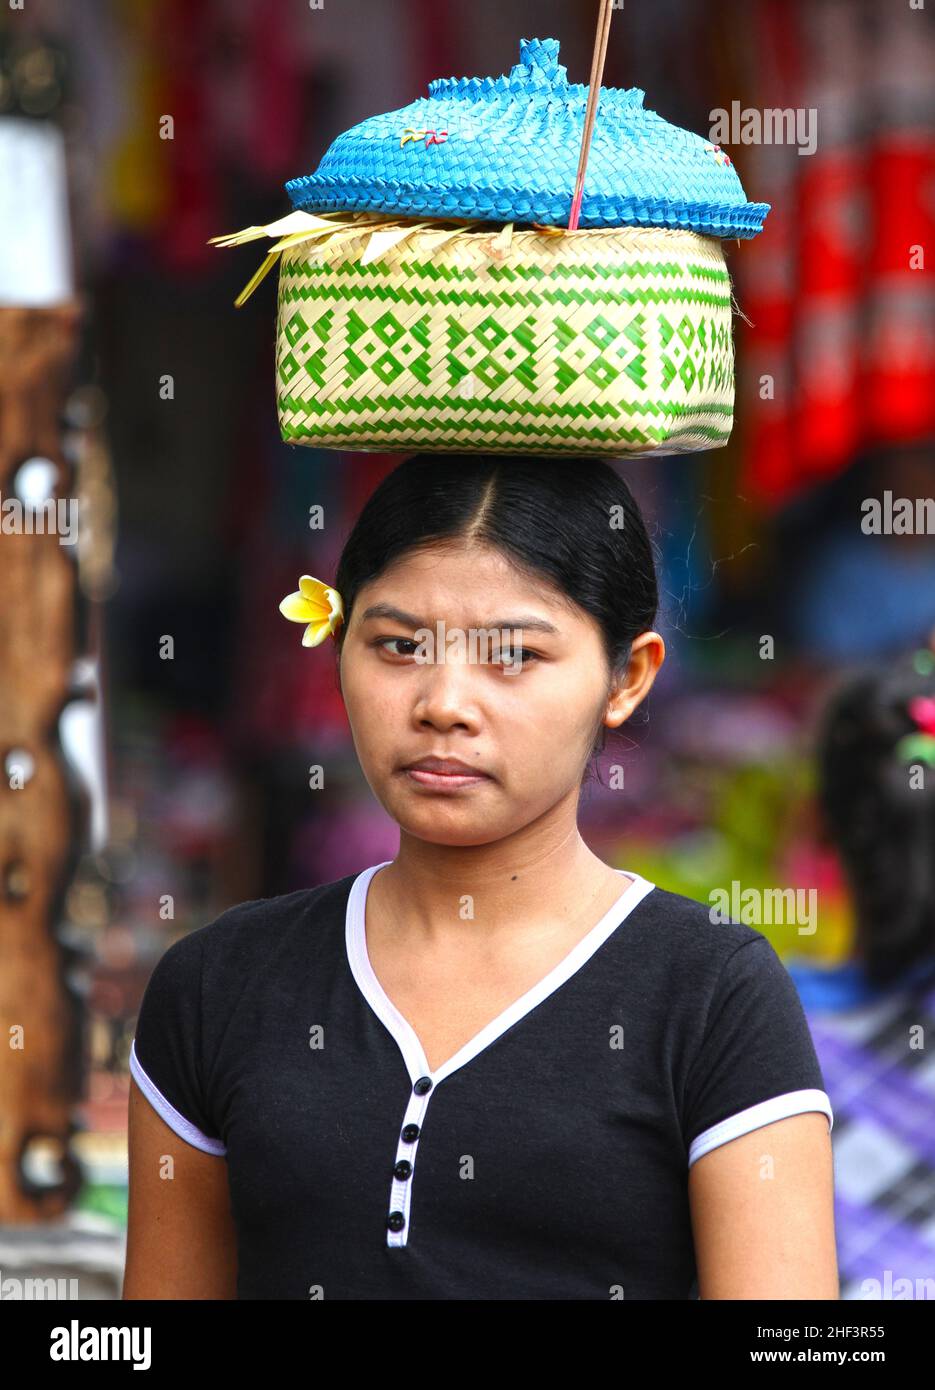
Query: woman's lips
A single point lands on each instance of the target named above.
(444, 781)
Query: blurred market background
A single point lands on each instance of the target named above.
(180, 787)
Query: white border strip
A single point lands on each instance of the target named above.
(398, 1026)
(184, 1128)
(778, 1108)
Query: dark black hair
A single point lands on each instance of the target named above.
(882, 826)
(572, 521)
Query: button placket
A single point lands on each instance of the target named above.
(397, 1220)
(423, 1082)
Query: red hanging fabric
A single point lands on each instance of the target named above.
(433, 30)
(193, 211)
(273, 135)
(843, 325)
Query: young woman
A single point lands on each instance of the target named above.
(493, 1067)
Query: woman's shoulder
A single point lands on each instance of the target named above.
(692, 955)
(256, 925)
(674, 924)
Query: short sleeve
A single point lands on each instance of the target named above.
(757, 1061)
(166, 1057)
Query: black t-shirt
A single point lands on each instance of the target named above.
(548, 1159)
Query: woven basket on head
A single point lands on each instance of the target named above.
(484, 326)
(612, 341)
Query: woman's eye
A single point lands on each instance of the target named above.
(507, 656)
(498, 656)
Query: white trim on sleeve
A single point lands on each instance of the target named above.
(184, 1128)
(778, 1108)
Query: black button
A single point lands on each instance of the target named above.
(423, 1084)
(402, 1169)
(396, 1221)
(410, 1133)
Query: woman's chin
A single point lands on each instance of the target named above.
(429, 828)
(450, 823)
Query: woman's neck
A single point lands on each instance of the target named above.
(432, 892)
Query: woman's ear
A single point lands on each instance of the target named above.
(647, 654)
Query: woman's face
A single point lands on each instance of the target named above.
(524, 721)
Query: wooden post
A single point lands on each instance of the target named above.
(41, 1067)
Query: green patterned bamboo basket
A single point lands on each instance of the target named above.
(610, 341)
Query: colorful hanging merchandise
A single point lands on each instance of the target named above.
(441, 287)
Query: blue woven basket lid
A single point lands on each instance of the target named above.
(506, 149)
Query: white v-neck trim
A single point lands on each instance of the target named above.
(423, 1082)
(398, 1026)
